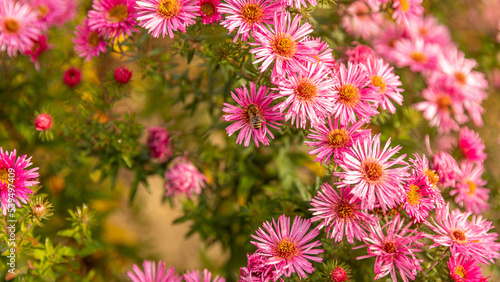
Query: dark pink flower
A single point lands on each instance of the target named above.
(72, 77)
(39, 46)
(122, 75)
(465, 270)
(471, 145)
(88, 43)
(113, 18)
(209, 11)
(258, 270)
(446, 168)
(159, 143)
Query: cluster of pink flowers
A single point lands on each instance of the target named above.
(158, 273)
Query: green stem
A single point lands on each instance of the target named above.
(436, 262)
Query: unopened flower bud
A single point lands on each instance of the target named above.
(72, 77)
(122, 75)
(43, 122)
(339, 274)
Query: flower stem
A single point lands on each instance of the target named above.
(436, 262)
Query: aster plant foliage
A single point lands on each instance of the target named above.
(311, 140)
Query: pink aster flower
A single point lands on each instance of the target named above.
(463, 269)
(371, 173)
(43, 122)
(166, 16)
(47, 12)
(18, 27)
(209, 11)
(153, 273)
(334, 139)
(183, 178)
(291, 249)
(206, 276)
(464, 238)
(258, 270)
(386, 41)
(309, 95)
(382, 77)
(15, 178)
(420, 169)
(113, 18)
(430, 30)
(248, 15)
(159, 143)
(88, 43)
(447, 169)
(341, 214)
(470, 188)
(394, 250)
(360, 54)
(325, 53)
(407, 10)
(297, 3)
(417, 54)
(255, 117)
(355, 97)
(39, 47)
(471, 145)
(360, 21)
(68, 11)
(418, 199)
(285, 45)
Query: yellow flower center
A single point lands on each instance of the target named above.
(348, 94)
(414, 195)
(338, 138)
(405, 5)
(344, 209)
(389, 247)
(379, 81)
(460, 271)
(460, 77)
(252, 13)
(118, 13)
(443, 102)
(43, 10)
(168, 8)
(286, 249)
(11, 25)
(283, 46)
(305, 90)
(458, 236)
(207, 9)
(418, 57)
(94, 39)
(4, 176)
(372, 171)
(472, 187)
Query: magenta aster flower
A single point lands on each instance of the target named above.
(183, 178)
(394, 250)
(407, 10)
(209, 11)
(463, 270)
(15, 178)
(206, 276)
(418, 199)
(18, 27)
(88, 43)
(334, 139)
(309, 95)
(166, 16)
(290, 249)
(113, 18)
(420, 169)
(371, 173)
(285, 45)
(382, 77)
(152, 273)
(446, 168)
(159, 143)
(417, 54)
(255, 116)
(355, 97)
(248, 15)
(47, 12)
(297, 3)
(39, 47)
(258, 270)
(360, 54)
(43, 122)
(341, 214)
(471, 145)
(470, 190)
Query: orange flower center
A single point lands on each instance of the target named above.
(460, 271)
(4, 176)
(11, 25)
(286, 249)
(389, 247)
(372, 171)
(207, 9)
(405, 5)
(472, 187)
(460, 77)
(43, 10)
(458, 236)
(283, 46)
(414, 195)
(168, 8)
(252, 13)
(338, 138)
(348, 94)
(418, 57)
(94, 39)
(379, 81)
(344, 209)
(305, 90)
(443, 101)
(118, 13)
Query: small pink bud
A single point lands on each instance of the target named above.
(43, 122)
(72, 77)
(339, 275)
(122, 75)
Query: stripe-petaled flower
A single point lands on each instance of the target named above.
(446, 168)
(341, 214)
(248, 15)
(183, 178)
(370, 172)
(464, 238)
(420, 168)
(289, 247)
(209, 11)
(394, 250)
(309, 95)
(470, 190)
(258, 270)
(15, 178)
(88, 43)
(205, 276)
(18, 27)
(471, 145)
(113, 18)
(334, 139)
(463, 269)
(153, 273)
(355, 97)
(418, 199)
(254, 117)
(162, 17)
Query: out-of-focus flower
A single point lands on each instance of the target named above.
(255, 116)
(113, 18)
(360, 54)
(43, 122)
(166, 16)
(47, 12)
(153, 273)
(386, 41)
(394, 250)
(447, 169)
(297, 3)
(15, 178)
(88, 43)
(18, 27)
(209, 11)
(420, 169)
(72, 77)
(40, 45)
(122, 75)
(430, 30)
(360, 21)
(471, 145)
(183, 178)
(159, 143)
(205, 276)
(289, 247)
(463, 269)
(406, 11)
(470, 190)
(417, 54)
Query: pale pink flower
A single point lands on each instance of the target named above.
(153, 273)
(360, 21)
(289, 247)
(206, 276)
(407, 10)
(341, 214)
(417, 54)
(430, 30)
(47, 12)
(15, 179)
(166, 16)
(370, 172)
(18, 27)
(183, 178)
(394, 250)
(464, 238)
(465, 270)
(88, 43)
(309, 95)
(470, 190)
(334, 139)
(447, 169)
(254, 117)
(113, 18)
(209, 11)
(471, 145)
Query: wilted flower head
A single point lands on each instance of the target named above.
(152, 273)
(183, 178)
(43, 122)
(469, 190)
(39, 47)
